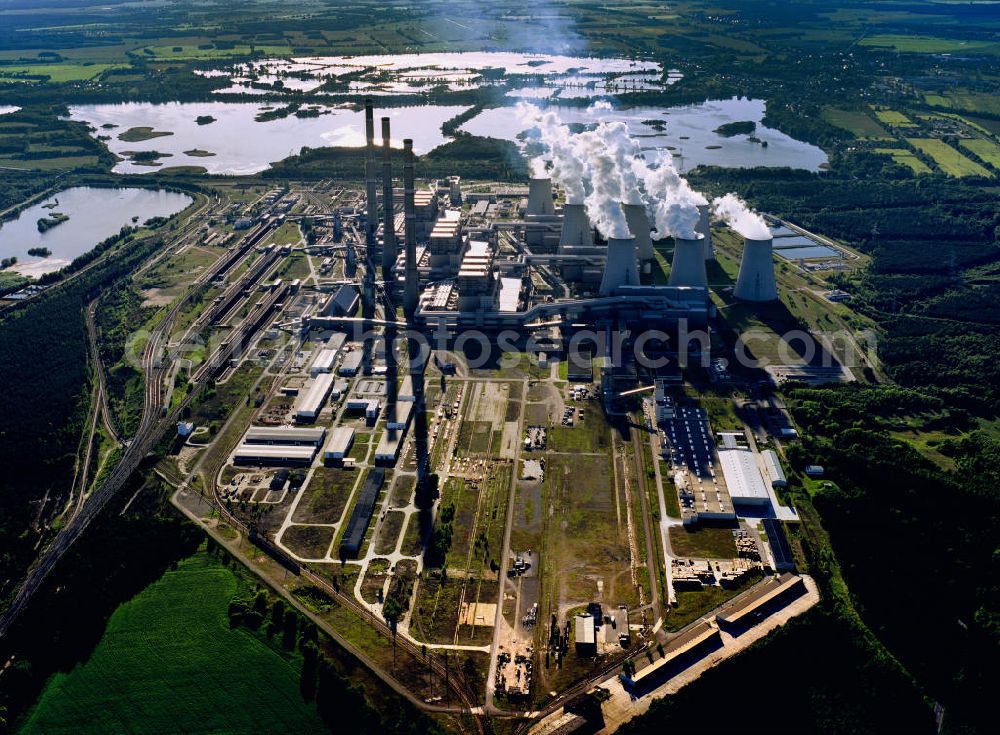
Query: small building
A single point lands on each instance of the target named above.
(772, 466)
(373, 407)
(279, 480)
(586, 635)
(340, 388)
(815, 470)
(339, 443)
(185, 428)
(398, 415)
(323, 362)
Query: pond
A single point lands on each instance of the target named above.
(94, 214)
(688, 131)
(236, 143)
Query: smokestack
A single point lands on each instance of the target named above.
(540, 197)
(576, 230)
(704, 228)
(410, 241)
(688, 265)
(638, 225)
(621, 268)
(388, 206)
(755, 281)
(371, 193)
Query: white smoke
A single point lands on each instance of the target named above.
(735, 213)
(604, 200)
(568, 169)
(670, 201)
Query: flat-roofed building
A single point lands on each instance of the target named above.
(274, 454)
(339, 443)
(688, 644)
(743, 478)
(361, 516)
(351, 363)
(285, 435)
(586, 635)
(323, 362)
(754, 604)
(311, 400)
(398, 415)
(772, 466)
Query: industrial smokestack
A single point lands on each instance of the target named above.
(704, 228)
(372, 191)
(576, 229)
(688, 265)
(388, 206)
(540, 197)
(638, 225)
(410, 239)
(755, 281)
(621, 268)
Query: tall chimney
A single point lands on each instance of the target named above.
(410, 242)
(540, 197)
(621, 268)
(388, 206)
(688, 265)
(704, 228)
(371, 185)
(755, 281)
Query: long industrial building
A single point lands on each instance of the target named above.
(285, 435)
(338, 444)
(311, 401)
(743, 478)
(357, 527)
(274, 455)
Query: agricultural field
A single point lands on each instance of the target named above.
(949, 160)
(987, 150)
(906, 158)
(929, 44)
(56, 73)
(168, 662)
(965, 101)
(858, 123)
(894, 119)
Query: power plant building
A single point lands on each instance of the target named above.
(755, 281)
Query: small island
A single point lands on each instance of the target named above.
(204, 120)
(136, 135)
(198, 153)
(39, 252)
(742, 127)
(8, 263)
(45, 224)
(145, 158)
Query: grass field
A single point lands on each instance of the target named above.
(987, 150)
(905, 158)
(949, 160)
(965, 101)
(169, 663)
(895, 119)
(854, 121)
(927, 44)
(59, 73)
(703, 542)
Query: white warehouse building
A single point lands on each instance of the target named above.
(743, 478)
(339, 443)
(772, 466)
(310, 402)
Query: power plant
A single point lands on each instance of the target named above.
(638, 225)
(621, 267)
(755, 281)
(540, 197)
(388, 205)
(704, 228)
(576, 230)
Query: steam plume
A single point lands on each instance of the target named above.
(735, 212)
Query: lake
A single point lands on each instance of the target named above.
(94, 215)
(688, 130)
(240, 144)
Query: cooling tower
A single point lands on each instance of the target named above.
(688, 265)
(756, 279)
(371, 185)
(704, 228)
(388, 206)
(638, 225)
(540, 197)
(622, 267)
(410, 233)
(576, 230)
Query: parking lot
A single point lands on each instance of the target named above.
(690, 448)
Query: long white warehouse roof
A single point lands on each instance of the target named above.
(284, 435)
(743, 478)
(773, 468)
(310, 403)
(339, 443)
(275, 453)
(324, 361)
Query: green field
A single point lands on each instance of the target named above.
(895, 119)
(854, 121)
(169, 663)
(965, 101)
(905, 158)
(58, 72)
(927, 44)
(949, 160)
(987, 150)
